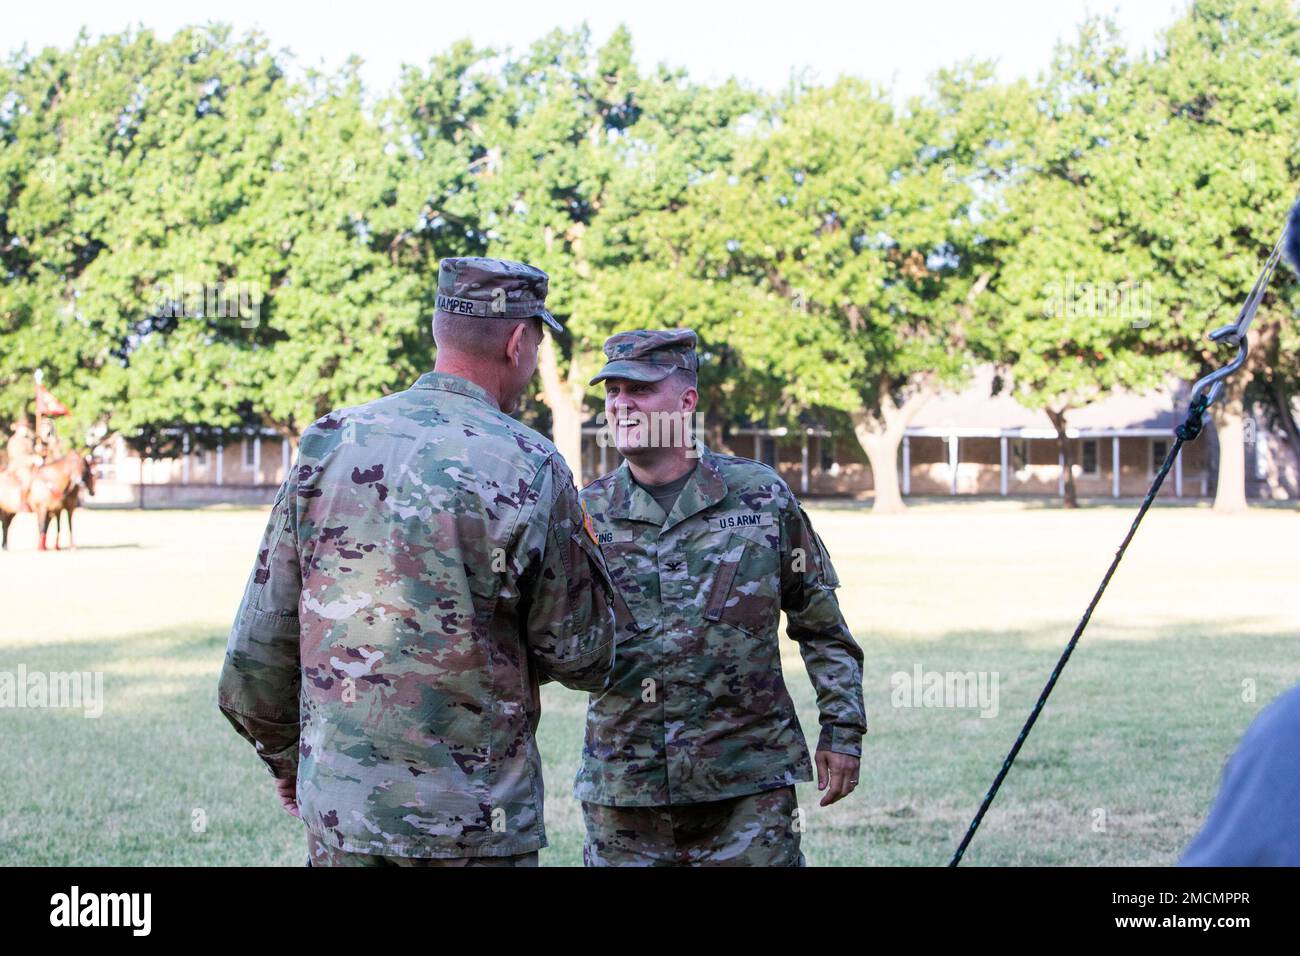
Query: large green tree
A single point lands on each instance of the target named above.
(188, 237)
(193, 240)
(1074, 292)
(571, 147)
(133, 169)
(1216, 179)
(845, 259)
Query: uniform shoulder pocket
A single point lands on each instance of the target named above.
(624, 623)
(595, 559)
(826, 570)
(269, 552)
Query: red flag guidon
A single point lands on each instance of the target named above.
(47, 404)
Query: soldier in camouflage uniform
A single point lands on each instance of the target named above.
(425, 567)
(693, 749)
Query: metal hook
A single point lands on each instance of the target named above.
(1212, 385)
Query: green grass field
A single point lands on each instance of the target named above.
(1120, 769)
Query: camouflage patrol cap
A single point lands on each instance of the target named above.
(493, 289)
(649, 355)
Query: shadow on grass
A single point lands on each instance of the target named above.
(1118, 771)
(159, 778)
(1119, 768)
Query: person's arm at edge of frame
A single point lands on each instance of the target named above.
(831, 656)
(261, 675)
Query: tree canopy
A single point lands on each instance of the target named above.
(193, 236)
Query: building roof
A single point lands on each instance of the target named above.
(975, 411)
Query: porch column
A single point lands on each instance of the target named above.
(221, 462)
(119, 458)
(185, 458)
(1060, 481)
(952, 464)
(1178, 476)
(1114, 466)
(758, 447)
(604, 455)
(1003, 473)
(803, 472)
(907, 465)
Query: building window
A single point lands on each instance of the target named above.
(1088, 456)
(250, 454)
(1159, 449)
(201, 458)
(1019, 453)
(827, 448)
(767, 453)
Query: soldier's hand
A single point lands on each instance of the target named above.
(837, 774)
(287, 791)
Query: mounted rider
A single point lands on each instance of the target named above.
(21, 449)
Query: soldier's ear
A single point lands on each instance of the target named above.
(690, 398)
(515, 343)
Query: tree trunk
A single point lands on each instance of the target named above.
(882, 453)
(1229, 422)
(880, 434)
(563, 396)
(1071, 499)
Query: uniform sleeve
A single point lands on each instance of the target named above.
(261, 675)
(568, 611)
(830, 654)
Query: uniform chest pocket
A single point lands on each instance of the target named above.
(746, 592)
(631, 571)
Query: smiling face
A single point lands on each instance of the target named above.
(649, 419)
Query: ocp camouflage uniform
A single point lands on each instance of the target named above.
(424, 568)
(758, 829)
(697, 710)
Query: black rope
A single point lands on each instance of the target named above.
(1187, 431)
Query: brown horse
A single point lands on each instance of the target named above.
(56, 488)
(13, 499)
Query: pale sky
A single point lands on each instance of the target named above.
(897, 44)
